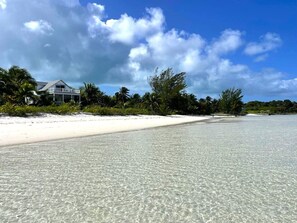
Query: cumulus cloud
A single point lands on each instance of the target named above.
(268, 42)
(171, 49)
(230, 40)
(96, 9)
(127, 29)
(41, 26)
(81, 44)
(2, 4)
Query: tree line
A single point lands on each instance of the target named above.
(167, 96)
(271, 107)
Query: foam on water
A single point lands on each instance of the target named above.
(241, 170)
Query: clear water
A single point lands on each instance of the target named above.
(238, 170)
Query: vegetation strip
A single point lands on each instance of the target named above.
(168, 96)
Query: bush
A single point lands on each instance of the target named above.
(63, 109)
(25, 110)
(231, 101)
(15, 110)
(136, 111)
(97, 110)
(68, 108)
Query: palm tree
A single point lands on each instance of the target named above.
(122, 96)
(151, 101)
(208, 100)
(135, 100)
(18, 85)
(90, 94)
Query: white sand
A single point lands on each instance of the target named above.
(16, 130)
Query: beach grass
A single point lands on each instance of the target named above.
(68, 108)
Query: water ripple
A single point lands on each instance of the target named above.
(219, 172)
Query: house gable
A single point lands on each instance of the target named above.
(59, 91)
(57, 87)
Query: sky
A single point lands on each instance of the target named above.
(247, 44)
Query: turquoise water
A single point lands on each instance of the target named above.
(235, 170)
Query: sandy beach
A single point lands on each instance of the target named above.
(18, 130)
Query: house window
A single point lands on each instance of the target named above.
(58, 98)
(60, 88)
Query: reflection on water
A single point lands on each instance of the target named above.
(234, 171)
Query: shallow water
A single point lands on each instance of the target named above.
(237, 170)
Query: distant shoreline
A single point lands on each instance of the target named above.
(18, 130)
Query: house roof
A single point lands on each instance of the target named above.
(48, 85)
(51, 83)
(41, 84)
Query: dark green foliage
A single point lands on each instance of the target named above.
(107, 101)
(63, 109)
(45, 99)
(168, 96)
(2, 85)
(17, 86)
(16, 110)
(123, 94)
(184, 104)
(166, 86)
(271, 107)
(26, 110)
(208, 106)
(205, 106)
(231, 101)
(135, 101)
(150, 102)
(122, 97)
(91, 95)
(97, 110)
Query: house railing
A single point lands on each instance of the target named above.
(57, 90)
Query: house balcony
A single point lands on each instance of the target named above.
(65, 91)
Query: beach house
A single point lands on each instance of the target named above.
(59, 91)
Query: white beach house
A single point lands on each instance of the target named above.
(60, 91)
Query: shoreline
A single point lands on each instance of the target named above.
(18, 130)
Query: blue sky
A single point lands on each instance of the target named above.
(220, 44)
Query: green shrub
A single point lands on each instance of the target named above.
(25, 110)
(68, 108)
(16, 110)
(62, 109)
(136, 111)
(97, 110)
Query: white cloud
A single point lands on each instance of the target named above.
(230, 40)
(40, 26)
(96, 9)
(141, 51)
(176, 49)
(268, 42)
(261, 57)
(85, 46)
(127, 29)
(3, 4)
